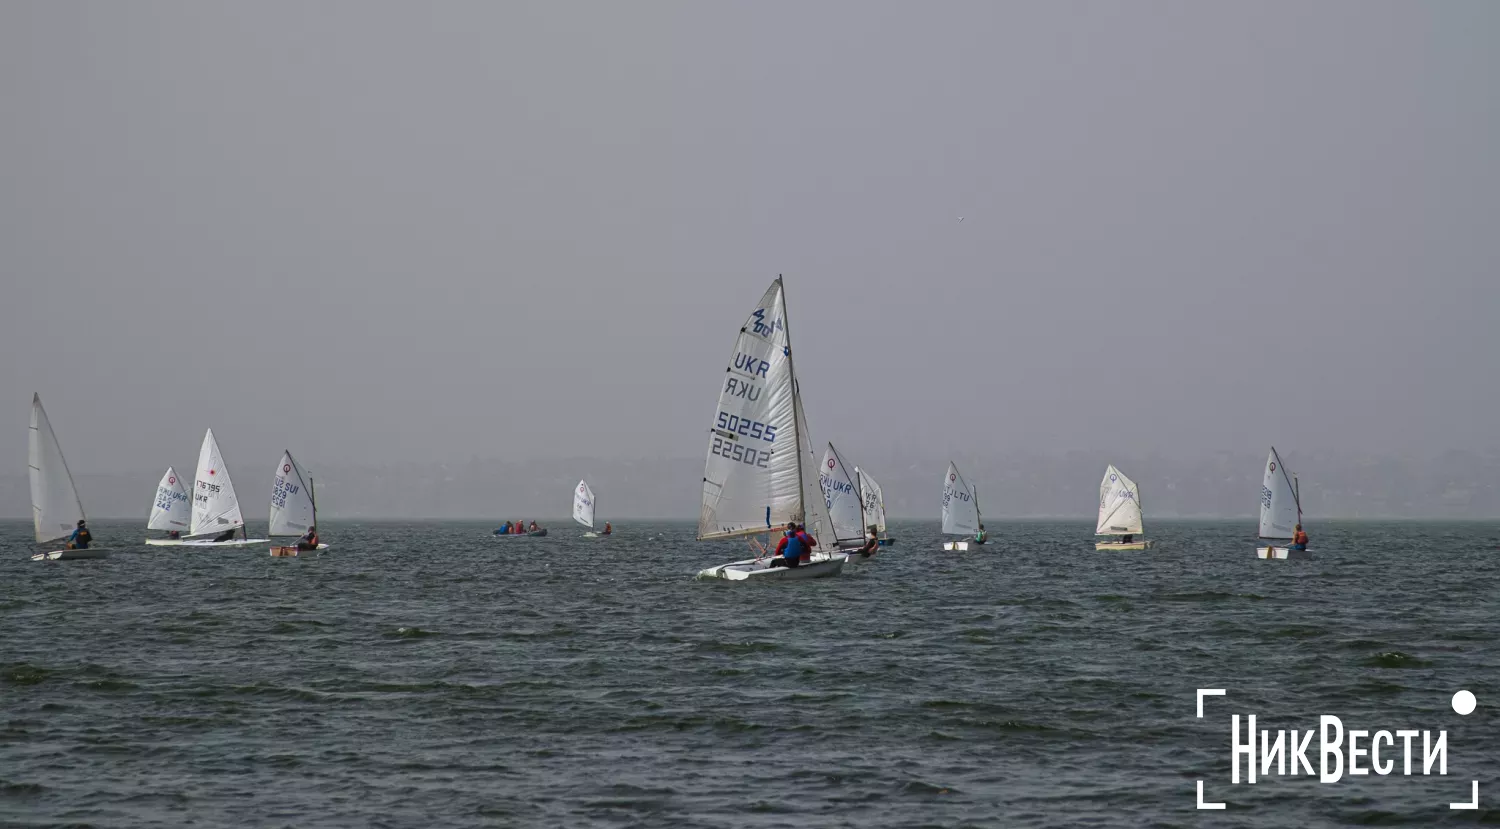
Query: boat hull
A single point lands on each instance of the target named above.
(753, 570)
(198, 542)
(960, 546)
(537, 534)
(1282, 554)
(293, 552)
(71, 555)
(1143, 544)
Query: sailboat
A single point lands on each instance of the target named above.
(1280, 510)
(960, 511)
(294, 505)
(874, 501)
(846, 508)
(216, 509)
(759, 473)
(583, 508)
(1120, 512)
(56, 509)
(170, 509)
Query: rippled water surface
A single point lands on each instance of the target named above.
(431, 675)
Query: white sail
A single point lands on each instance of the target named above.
(841, 496)
(874, 500)
(55, 506)
(583, 505)
(754, 478)
(1280, 511)
(960, 509)
(215, 507)
(1119, 505)
(170, 509)
(293, 508)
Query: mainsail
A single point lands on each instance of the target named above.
(55, 506)
(169, 510)
(1280, 509)
(960, 509)
(583, 505)
(1119, 505)
(215, 507)
(753, 480)
(873, 498)
(293, 505)
(841, 496)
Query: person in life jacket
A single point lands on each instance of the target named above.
(980, 535)
(872, 543)
(227, 535)
(309, 539)
(81, 537)
(607, 528)
(792, 546)
(1299, 539)
(174, 534)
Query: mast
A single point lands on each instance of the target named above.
(791, 365)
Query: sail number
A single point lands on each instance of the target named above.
(1265, 496)
(735, 452)
(747, 427)
(208, 487)
(166, 497)
(951, 496)
(281, 491)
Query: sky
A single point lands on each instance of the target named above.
(380, 232)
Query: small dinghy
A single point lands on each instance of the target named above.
(583, 508)
(56, 509)
(1280, 511)
(846, 506)
(294, 507)
(1120, 513)
(874, 501)
(960, 511)
(758, 476)
(170, 508)
(534, 534)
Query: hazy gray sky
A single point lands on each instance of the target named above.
(379, 230)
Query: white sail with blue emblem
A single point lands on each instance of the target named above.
(583, 505)
(874, 500)
(1119, 505)
(293, 509)
(215, 506)
(753, 479)
(169, 511)
(56, 508)
(841, 495)
(960, 507)
(1280, 511)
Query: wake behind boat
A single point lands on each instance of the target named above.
(1281, 513)
(1120, 513)
(56, 509)
(758, 476)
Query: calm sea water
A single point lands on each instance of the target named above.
(422, 675)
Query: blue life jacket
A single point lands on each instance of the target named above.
(794, 546)
(81, 538)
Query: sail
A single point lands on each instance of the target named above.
(292, 507)
(583, 505)
(1119, 505)
(215, 507)
(814, 508)
(753, 479)
(55, 506)
(170, 509)
(1280, 512)
(960, 510)
(841, 496)
(874, 500)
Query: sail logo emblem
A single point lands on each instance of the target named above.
(830, 463)
(1113, 478)
(210, 472)
(952, 478)
(1273, 466)
(286, 468)
(171, 480)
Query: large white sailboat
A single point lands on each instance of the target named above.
(56, 509)
(1280, 510)
(294, 506)
(1120, 513)
(960, 511)
(759, 474)
(170, 508)
(216, 509)
(874, 501)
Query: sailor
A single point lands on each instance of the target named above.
(81, 537)
(980, 535)
(1299, 539)
(792, 545)
(309, 539)
(227, 535)
(1126, 539)
(607, 528)
(504, 530)
(872, 543)
(533, 526)
(174, 534)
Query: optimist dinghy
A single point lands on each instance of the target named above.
(1120, 513)
(759, 473)
(294, 506)
(960, 511)
(170, 508)
(874, 501)
(1280, 511)
(56, 509)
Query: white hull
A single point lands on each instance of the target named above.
(291, 551)
(70, 555)
(1282, 553)
(199, 542)
(1143, 544)
(760, 570)
(956, 546)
